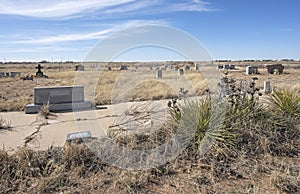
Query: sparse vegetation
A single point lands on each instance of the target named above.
(255, 149)
(4, 124)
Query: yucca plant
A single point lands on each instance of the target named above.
(204, 118)
(285, 103)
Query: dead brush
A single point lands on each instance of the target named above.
(44, 111)
(132, 181)
(285, 182)
(142, 127)
(4, 124)
(79, 155)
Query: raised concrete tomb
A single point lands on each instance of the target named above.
(62, 98)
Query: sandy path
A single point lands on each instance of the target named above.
(41, 133)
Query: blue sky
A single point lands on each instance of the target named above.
(34, 30)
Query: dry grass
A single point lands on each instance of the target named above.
(4, 124)
(15, 93)
(259, 153)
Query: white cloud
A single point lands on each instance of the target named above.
(90, 35)
(73, 8)
(55, 8)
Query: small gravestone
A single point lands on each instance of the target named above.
(39, 73)
(180, 72)
(267, 87)
(275, 68)
(159, 74)
(226, 67)
(79, 135)
(14, 74)
(79, 68)
(123, 67)
(251, 70)
(187, 68)
(62, 98)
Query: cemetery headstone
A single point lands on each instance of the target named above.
(272, 68)
(79, 135)
(267, 87)
(159, 74)
(79, 68)
(226, 67)
(14, 74)
(63, 98)
(180, 72)
(39, 73)
(123, 67)
(251, 70)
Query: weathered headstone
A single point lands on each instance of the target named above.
(159, 74)
(226, 67)
(267, 87)
(251, 70)
(272, 68)
(180, 72)
(79, 68)
(61, 98)
(123, 67)
(79, 135)
(14, 74)
(39, 73)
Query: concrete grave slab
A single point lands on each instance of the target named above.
(62, 98)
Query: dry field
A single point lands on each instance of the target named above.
(131, 85)
(255, 149)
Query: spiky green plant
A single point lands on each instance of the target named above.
(286, 103)
(205, 118)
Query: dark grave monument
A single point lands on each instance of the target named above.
(79, 68)
(39, 73)
(272, 68)
(123, 67)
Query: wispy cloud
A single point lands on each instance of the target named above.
(89, 35)
(55, 8)
(73, 8)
